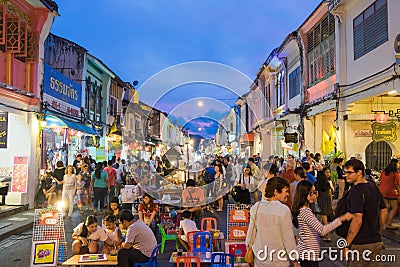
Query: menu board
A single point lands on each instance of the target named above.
(239, 216)
(20, 174)
(238, 232)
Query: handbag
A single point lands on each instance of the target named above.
(249, 256)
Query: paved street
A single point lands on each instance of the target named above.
(15, 250)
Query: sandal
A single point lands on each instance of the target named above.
(392, 227)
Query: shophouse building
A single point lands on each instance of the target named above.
(367, 41)
(319, 69)
(24, 25)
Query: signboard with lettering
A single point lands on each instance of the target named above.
(3, 129)
(291, 138)
(62, 93)
(363, 133)
(384, 132)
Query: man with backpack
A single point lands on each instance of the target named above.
(366, 203)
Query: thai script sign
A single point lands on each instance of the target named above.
(363, 133)
(62, 93)
(384, 131)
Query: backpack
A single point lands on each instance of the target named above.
(207, 177)
(240, 195)
(342, 209)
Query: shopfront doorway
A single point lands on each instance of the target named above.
(378, 155)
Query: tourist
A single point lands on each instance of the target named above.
(246, 182)
(147, 211)
(310, 228)
(271, 226)
(48, 188)
(58, 176)
(389, 184)
(139, 242)
(100, 187)
(367, 205)
(218, 186)
(69, 189)
(186, 225)
(87, 235)
(324, 197)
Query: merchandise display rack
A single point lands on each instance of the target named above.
(55, 231)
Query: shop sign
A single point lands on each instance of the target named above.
(3, 129)
(61, 93)
(363, 133)
(384, 132)
(291, 138)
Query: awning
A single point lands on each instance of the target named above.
(56, 122)
(80, 127)
(249, 137)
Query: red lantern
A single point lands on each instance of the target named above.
(381, 117)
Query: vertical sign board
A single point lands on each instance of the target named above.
(20, 174)
(3, 129)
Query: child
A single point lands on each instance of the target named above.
(113, 233)
(80, 192)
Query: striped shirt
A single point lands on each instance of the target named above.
(310, 232)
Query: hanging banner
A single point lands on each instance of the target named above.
(20, 174)
(3, 129)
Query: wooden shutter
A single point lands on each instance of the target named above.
(3, 23)
(24, 40)
(32, 47)
(13, 42)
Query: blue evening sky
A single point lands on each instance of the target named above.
(150, 40)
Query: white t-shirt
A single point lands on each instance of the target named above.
(187, 226)
(99, 234)
(248, 181)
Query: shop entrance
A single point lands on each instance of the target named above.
(378, 155)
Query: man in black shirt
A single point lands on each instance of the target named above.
(366, 204)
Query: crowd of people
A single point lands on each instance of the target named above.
(293, 202)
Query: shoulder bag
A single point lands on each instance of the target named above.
(249, 256)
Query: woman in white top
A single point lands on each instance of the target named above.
(271, 227)
(246, 182)
(69, 189)
(310, 228)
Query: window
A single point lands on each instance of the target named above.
(294, 83)
(280, 88)
(267, 95)
(370, 28)
(321, 50)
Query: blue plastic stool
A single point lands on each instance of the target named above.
(153, 258)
